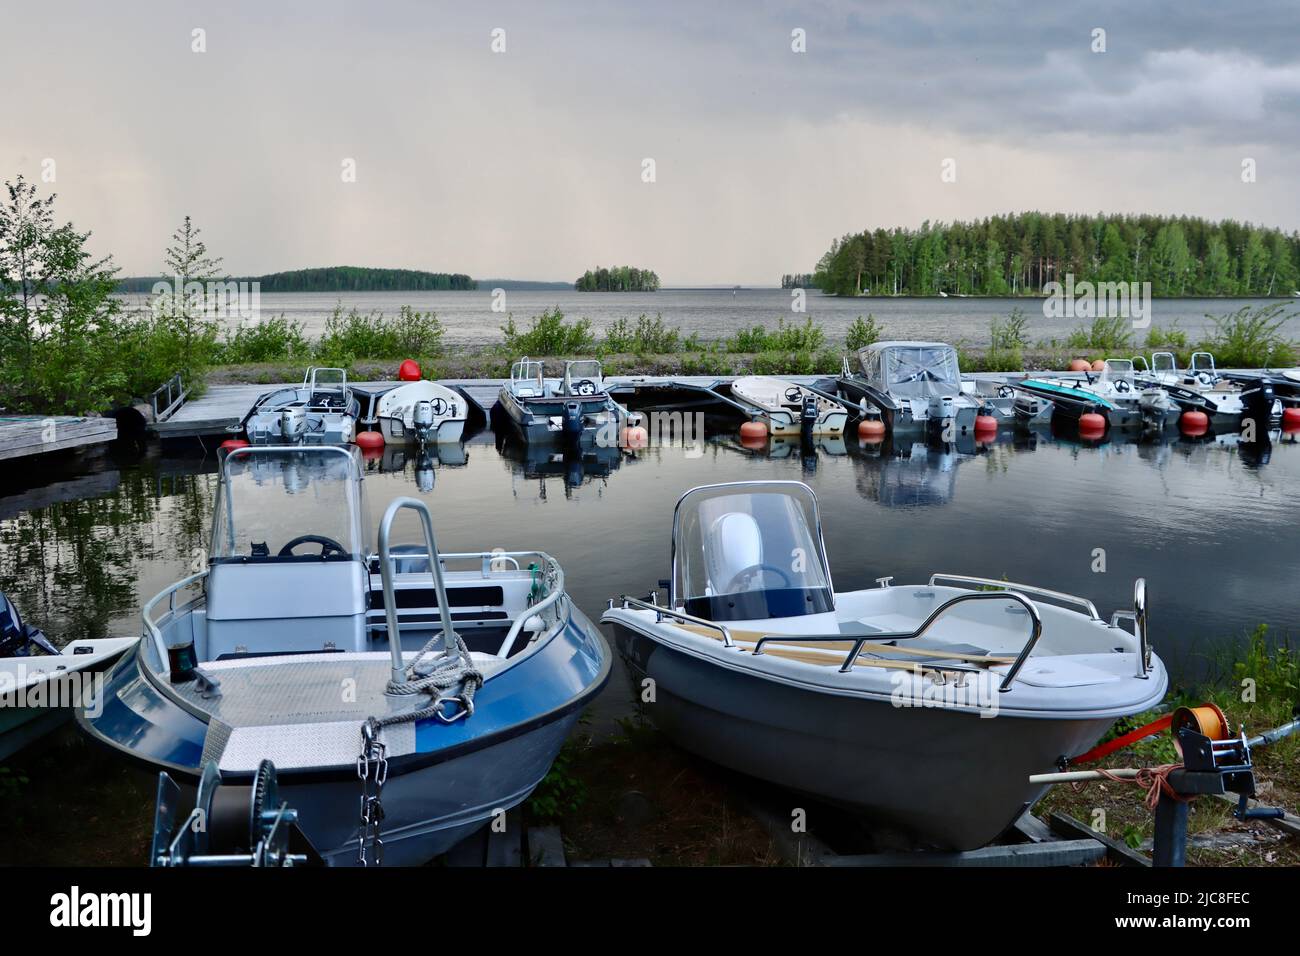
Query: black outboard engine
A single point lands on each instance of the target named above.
(1257, 404)
(808, 416)
(18, 639)
(573, 421)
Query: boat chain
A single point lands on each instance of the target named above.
(450, 670)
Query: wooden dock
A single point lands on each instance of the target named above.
(22, 436)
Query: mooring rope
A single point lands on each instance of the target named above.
(448, 671)
(1155, 779)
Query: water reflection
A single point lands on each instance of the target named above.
(574, 467)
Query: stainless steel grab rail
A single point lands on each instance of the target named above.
(551, 599)
(1139, 618)
(386, 573)
(662, 612)
(1035, 632)
(1022, 588)
(151, 629)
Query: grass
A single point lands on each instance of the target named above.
(1251, 338)
(1107, 335)
(548, 334)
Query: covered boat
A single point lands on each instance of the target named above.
(447, 681)
(576, 407)
(320, 411)
(789, 409)
(877, 700)
(919, 385)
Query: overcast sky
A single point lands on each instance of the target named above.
(528, 163)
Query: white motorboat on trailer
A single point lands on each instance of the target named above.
(39, 682)
(875, 699)
(421, 412)
(789, 409)
(320, 411)
(454, 677)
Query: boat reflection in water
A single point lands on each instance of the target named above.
(575, 465)
(420, 461)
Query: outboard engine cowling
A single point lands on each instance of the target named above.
(1257, 405)
(18, 639)
(808, 415)
(573, 421)
(422, 419)
(293, 424)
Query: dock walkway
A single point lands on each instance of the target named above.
(24, 435)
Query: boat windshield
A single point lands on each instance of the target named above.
(1118, 370)
(280, 504)
(748, 551)
(582, 378)
(913, 371)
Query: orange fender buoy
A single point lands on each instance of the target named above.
(1291, 419)
(871, 429)
(1080, 365)
(753, 431)
(232, 443)
(1194, 423)
(408, 371)
(369, 440)
(635, 437)
(1092, 425)
(1099, 365)
(986, 423)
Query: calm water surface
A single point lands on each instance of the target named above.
(1210, 528)
(715, 314)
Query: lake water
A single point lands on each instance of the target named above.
(1210, 525)
(470, 319)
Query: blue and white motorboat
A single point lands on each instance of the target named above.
(322, 410)
(405, 696)
(1117, 394)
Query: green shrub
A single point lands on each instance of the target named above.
(353, 335)
(862, 333)
(649, 337)
(273, 340)
(1251, 338)
(549, 334)
(805, 337)
(1107, 334)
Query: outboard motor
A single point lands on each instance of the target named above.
(808, 415)
(941, 412)
(422, 419)
(293, 424)
(18, 639)
(1257, 405)
(573, 421)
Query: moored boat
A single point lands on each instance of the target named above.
(877, 700)
(421, 413)
(574, 408)
(789, 409)
(320, 411)
(455, 678)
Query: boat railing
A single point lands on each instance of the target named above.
(386, 574)
(1138, 615)
(151, 629)
(1082, 602)
(663, 612)
(1035, 632)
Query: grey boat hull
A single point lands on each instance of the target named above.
(955, 780)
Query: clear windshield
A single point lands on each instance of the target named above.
(1118, 370)
(526, 371)
(1164, 362)
(745, 539)
(919, 371)
(582, 378)
(268, 498)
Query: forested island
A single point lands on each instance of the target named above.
(335, 279)
(618, 279)
(1018, 254)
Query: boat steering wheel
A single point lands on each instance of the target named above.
(794, 394)
(583, 386)
(733, 585)
(1205, 378)
(438, 406)
(327, 545)
(1123, 386)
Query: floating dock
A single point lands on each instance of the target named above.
(22, 436)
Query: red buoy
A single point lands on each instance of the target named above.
(986, 424)
(1080, 365)
(369, 440)
(1291, 419)
(635, 437)
(753, 430)
(1092, 425)
(408, 371)
(871, 429)
(232, 443)
(1194, 423)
